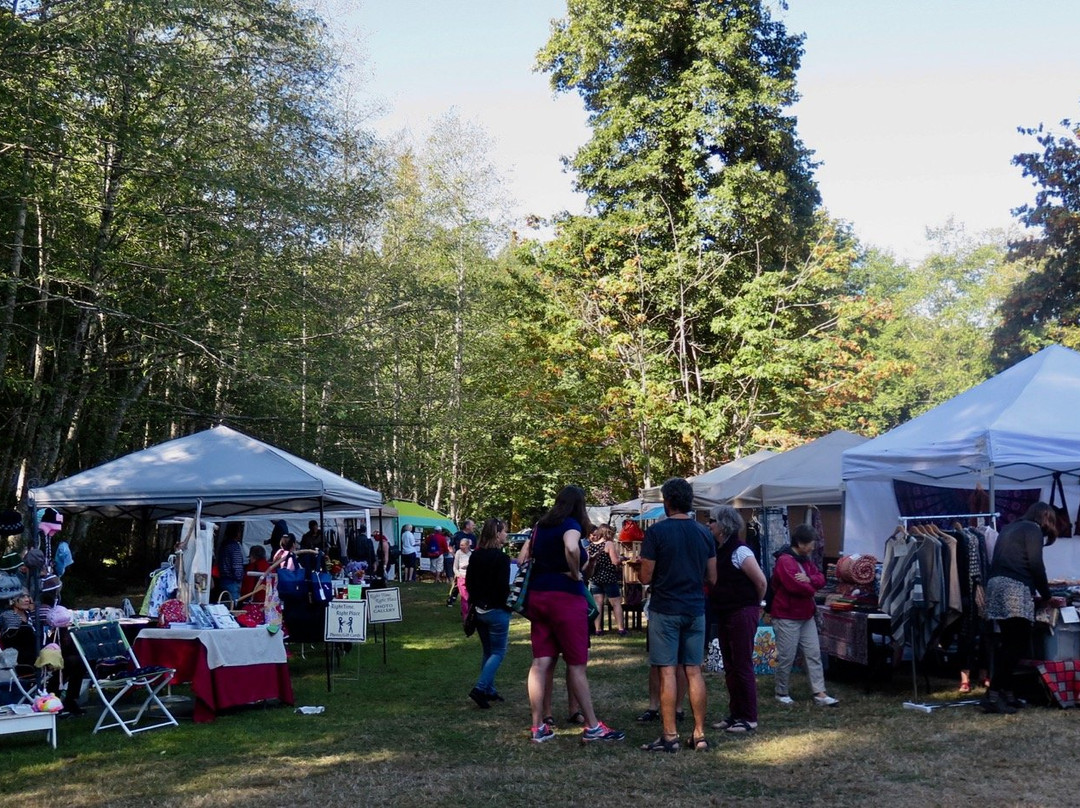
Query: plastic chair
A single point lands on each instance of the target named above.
(114, 672)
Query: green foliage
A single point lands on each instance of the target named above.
(936, 343)
(708, 297)
(1044, 306)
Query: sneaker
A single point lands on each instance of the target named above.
(542, 733)
(601, 733)
(785, 699)
(825, 701)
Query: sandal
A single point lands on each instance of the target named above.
(965, 687)
(648, 715)
(724, 723)
(662, 744)
(738, 726)
(576, 718)
(697, 744)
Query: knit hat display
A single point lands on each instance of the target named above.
(11, 523)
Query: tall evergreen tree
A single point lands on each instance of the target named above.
(700, 191)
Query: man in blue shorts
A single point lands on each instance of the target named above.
(678, 559)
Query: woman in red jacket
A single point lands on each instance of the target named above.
(795, 579)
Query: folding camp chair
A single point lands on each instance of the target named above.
(114, 672)
(21, 681)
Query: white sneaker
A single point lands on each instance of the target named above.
(825, 701)
(785, 699)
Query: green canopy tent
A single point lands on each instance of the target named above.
(410, 513)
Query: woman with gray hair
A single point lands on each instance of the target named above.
(735, 604)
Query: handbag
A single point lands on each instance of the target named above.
(469, 623)
(594, 610)
(516, 601)
(1061, 512)
(292, 583)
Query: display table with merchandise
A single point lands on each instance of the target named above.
(225, 667)
(850, 636)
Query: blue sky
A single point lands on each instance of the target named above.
(912, 107)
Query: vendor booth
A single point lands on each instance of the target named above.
(931, 495)
(808, 476)
(220, 474)
(1010, 435)
(420, 517)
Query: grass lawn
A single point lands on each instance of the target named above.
(405, 734)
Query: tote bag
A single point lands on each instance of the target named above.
(517, 600)
(292, 583)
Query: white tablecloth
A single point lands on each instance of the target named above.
(228, 647)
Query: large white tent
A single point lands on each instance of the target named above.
(1010, 432)
(229, 473)
(806, 475)
(704, 483)
(632, 507)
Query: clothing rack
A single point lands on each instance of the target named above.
(915, 704)
(934, 517)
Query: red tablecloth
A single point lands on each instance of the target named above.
(215, 688)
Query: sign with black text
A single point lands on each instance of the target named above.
(384, 605)
(346, 621)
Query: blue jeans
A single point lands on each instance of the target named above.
(233, 588)
(493, 627)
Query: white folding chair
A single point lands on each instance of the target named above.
(114, 672)
(16, 678)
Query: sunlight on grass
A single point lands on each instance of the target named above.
(788, 749)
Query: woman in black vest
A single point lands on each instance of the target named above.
(735, 604)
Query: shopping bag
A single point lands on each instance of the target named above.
(519, 589)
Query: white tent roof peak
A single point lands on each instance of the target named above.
(806, 475)
(232, 473)
(1018, 426)
(703, 483)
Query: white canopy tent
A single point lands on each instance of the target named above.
(704, 483)
(806, 475)
(1010, 432)
(226, 472)
(632, 507)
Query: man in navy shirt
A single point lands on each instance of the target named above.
(678, 559)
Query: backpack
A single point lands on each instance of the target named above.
(433, 550)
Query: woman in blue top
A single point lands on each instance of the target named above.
(559, 612)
